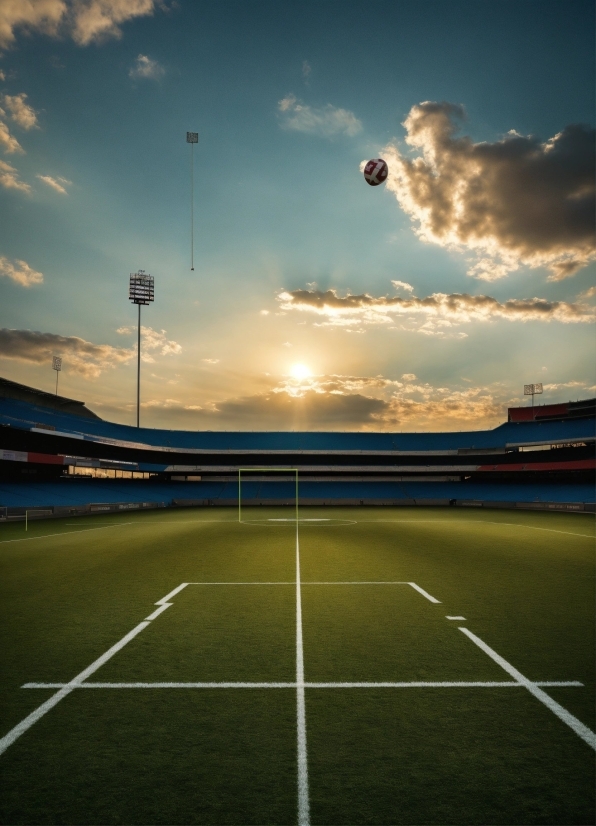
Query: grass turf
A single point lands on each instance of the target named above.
(523, 581)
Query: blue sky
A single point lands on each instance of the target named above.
(271, 330)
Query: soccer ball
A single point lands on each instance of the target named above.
(376, 171)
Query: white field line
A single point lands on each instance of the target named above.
(303, 802)
(461, 619)
(173, 593)
(62, 533)
(536, 528)
(241, 583)
(453, 684)
(424, 593)
(39, 712)
(474, 521)
(578, 727)
(163, 607)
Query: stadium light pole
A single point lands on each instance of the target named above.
(192, 138)
(533, 390)
(140, 292)
(57, 366)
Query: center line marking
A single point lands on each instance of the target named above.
(303, 802)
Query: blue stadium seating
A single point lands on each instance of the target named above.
(23, 414)
(72, 492)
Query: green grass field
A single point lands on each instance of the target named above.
(383, 727)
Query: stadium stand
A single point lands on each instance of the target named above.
(57, 456)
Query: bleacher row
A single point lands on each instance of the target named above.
(15, 413)
(17, 497)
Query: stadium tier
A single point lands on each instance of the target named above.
(55, 453)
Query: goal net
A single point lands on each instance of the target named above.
(264, 475)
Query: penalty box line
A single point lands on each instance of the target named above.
(411, 684)
(64, 689)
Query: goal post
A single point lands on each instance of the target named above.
(266, 470)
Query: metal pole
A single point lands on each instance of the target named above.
(192, 207)
(239, 496)
(56, 382)
(139, 368)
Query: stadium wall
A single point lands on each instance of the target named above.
(46, 444)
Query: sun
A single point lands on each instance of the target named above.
(300, 371)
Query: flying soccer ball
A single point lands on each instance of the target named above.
(376, 171)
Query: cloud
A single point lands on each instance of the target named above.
(152, 341)
(432, 315)
(306, 70)
(20, 112)
(58, 184)
(338, 402)
(589, 293)
(146, 68)
(9, 178)
(19, 271)
(211, 361)
(86, 21)
(334, 402)
(80, 356)
(7, 141)
(517, 201)
(326, 121)
(32, 15)
(403, 285)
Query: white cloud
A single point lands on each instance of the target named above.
(8, 141)
(59, 184)
(20, 112)
(306, 70)
(326, 121)
(32, 15)
(9, 178)
(20, 272)
(152, 341)
(86, 21)
(435, 314)
(403, 285)
(211, 361)
(513, 202)
(146, 68)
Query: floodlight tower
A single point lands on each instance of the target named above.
(140, 292)
(192, 138)
(57, 366)
(533, 390)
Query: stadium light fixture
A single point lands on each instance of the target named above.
(533, 390)
(192, 138)
(141, 293)
(57, 366)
